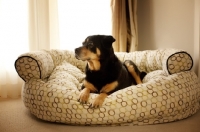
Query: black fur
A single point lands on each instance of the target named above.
(111, 68)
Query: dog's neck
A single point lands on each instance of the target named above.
(93, 65)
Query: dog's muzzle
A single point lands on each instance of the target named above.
(77, 52)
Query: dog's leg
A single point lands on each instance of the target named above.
(132, 68)
(98, 101)
(109, 87)
(84, 94)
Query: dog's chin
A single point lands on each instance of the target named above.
(81, 58)
(77, 57)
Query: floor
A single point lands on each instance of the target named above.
(14, 117)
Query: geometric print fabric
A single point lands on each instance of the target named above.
(53, 80)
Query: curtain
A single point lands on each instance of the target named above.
(24, 26)
(43, 25)
(124, 25)
(197, 16)
(13, 41)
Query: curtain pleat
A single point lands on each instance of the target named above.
(133, 34)
(124, 25)
(24, 26)
(119, 26)
(13, 41)
(43, 24)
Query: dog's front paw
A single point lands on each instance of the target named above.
(84, 95)
(98, 101)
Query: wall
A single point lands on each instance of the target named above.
(197, 36)
(167, 24)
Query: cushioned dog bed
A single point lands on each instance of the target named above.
(53, 79)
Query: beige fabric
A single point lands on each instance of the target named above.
(43, 24)
(124, 27)
(16, 118)
(170, 91)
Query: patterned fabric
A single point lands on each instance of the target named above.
(169, 60)
(170, 91)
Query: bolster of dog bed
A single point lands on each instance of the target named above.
(170, 60)
(40, 64)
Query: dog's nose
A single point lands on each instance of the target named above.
(76, 50)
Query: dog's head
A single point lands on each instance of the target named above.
(96, 47)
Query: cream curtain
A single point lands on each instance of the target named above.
(124, 25)
(43, 24)
(24, 26)
(13, 41)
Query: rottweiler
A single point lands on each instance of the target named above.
(105, 73)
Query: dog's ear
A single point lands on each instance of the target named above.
(107, 41)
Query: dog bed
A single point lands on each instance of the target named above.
(53, 79)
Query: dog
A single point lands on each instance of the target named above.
(105, 73)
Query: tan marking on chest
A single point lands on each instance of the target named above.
(94, 65)
(109, 87)
(90, 86)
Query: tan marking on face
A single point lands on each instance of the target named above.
(98, 52)
(94, 63)
(109, 87)
(90, 86)
(92, 58)
(83, 54)
(86, 54)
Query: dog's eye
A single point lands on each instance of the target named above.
(90, 45)
(83, 43)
